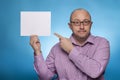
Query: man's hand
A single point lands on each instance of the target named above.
(65, 43)
(34, 42)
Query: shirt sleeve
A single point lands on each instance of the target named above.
(44, 69)
(92, 66)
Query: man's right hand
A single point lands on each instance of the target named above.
(35, 43)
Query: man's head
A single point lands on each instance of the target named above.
(80, 23)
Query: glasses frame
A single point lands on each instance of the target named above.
(77, 22)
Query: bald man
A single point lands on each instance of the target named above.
(80, 57)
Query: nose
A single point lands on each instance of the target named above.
(81, 26)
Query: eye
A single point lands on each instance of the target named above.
(76, 22)
(86, 22)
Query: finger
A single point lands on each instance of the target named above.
(34, 38)
(59, 36)
(35, 42)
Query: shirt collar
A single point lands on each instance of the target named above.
(90, 40)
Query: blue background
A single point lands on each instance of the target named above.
(16, 55)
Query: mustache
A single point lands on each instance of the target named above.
(81, 30)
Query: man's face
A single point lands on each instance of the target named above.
(80, 24)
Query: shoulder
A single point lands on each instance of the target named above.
(100, 39)
(55, 47)
(55, 50)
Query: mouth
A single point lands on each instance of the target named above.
(82, 31)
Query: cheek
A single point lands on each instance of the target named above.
(72, 28)
(88, 29)
(75, 29)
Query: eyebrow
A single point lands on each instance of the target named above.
(79, 20)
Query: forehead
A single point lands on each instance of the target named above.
(80, 15)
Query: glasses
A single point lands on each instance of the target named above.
(78, 23)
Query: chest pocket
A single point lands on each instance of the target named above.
(91, 51)
(88, 49)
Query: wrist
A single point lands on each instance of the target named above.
(70, 49)
(37, 52)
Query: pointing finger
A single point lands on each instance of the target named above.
(59, 36)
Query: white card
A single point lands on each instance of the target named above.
(35, 23)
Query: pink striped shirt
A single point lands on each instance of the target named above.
(86, 62)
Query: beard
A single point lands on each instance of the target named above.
(81, 37)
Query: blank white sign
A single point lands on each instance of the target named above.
(35, 23)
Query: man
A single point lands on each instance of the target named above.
(81, 57)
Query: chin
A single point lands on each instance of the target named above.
(83, 36)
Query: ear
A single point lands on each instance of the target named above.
(91, 24)
(70, 26)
